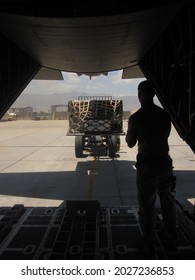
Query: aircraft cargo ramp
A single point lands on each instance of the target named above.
(84, 230)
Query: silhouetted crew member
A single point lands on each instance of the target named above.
(150, 126)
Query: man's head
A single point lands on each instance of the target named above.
(145, 92)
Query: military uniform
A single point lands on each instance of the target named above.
(150, 126)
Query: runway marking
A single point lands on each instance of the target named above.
(91, 172)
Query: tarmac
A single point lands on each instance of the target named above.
(56, 206)
(38, 168)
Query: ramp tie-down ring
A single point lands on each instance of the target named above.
(121, 249)
(29, 249)
(75, 249)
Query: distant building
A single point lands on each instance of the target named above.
(22, 113)
(59, 112)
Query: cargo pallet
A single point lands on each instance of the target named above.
(97, 123)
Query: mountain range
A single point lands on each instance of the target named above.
(43, 102)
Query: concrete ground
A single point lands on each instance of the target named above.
(38, 167)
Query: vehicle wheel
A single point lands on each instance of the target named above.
(79, 146)
(112, 146)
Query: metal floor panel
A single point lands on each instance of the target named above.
(84, 230)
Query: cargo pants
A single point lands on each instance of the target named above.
(155, 176)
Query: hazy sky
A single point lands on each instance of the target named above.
(112, 84)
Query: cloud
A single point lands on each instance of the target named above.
(111, 85)
(71, 78)
(117, 79)
(70, 83)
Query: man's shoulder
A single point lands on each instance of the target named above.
(161, 111)
(152, 111)
(135, 115)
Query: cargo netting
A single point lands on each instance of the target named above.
(95, 116)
